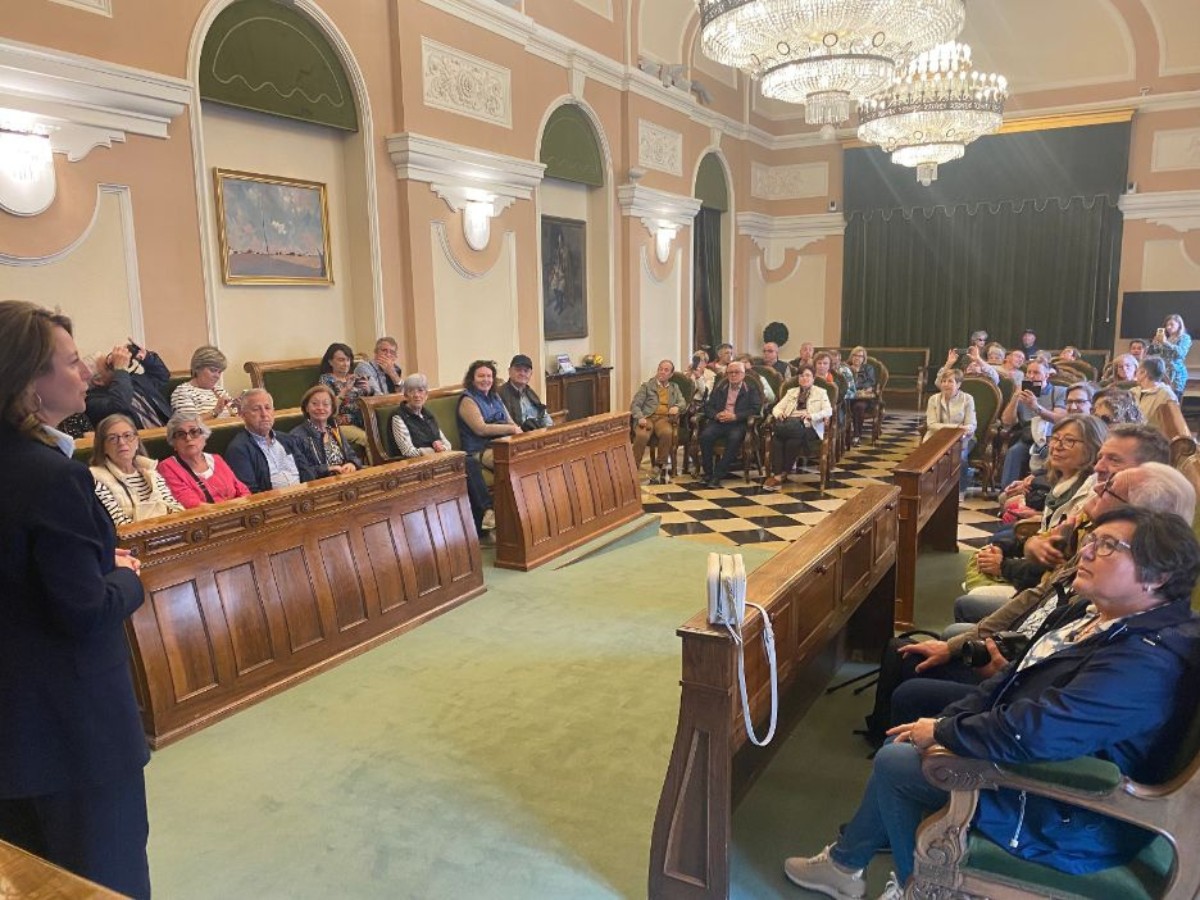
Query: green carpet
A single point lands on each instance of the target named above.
(514, 747)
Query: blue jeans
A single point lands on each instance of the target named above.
(976, 608)
(477, 491)
(964, 475)
(925, 698)
(897, 798)
(1016, 463)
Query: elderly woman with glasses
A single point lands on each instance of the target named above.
(326, 445)
(196, 477)
(127, 482)
(204, 394)
(415, 431)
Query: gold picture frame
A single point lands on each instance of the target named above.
(272, 230)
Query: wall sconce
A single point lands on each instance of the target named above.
(27, 183)
(664, 233)
(477, 223)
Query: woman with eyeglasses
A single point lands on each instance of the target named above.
(204, 394)
(127, 482)
(193, 476)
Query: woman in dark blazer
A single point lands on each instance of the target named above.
(325, 448)
(71, 743)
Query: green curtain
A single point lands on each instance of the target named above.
(706, 290)
(920, 278)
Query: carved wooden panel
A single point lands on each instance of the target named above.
(186, 639)
(245, 615)
(562, 486)
(815, 604)
(249, 596)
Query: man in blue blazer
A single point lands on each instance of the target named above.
(261, 457)
(730, 404)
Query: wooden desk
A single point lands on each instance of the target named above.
(23, 875)
(928, 481)
(246, 598)
(559, 487)
(582, 393)
(829, 596)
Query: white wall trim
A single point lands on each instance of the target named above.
(1179, 210)
(443, 241)
(775, 235)
(657, 208)
(100, 7)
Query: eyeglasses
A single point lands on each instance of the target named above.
(1067, 443)
(189, 433)
(1104, 545)
(387, 351)
(129, 437)
(1107, 488)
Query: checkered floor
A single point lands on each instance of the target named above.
(738, 513)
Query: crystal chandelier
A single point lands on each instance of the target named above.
(825, 54)
(928, 115)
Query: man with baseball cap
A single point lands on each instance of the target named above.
(522, 402)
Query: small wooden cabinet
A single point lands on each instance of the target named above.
(582, 393)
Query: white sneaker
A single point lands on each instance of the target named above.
(489, 520)
(893, 890)
(820, 873)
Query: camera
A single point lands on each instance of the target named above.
(696, 361)
(1011, 645)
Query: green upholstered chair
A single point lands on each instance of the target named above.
(176, 379)
(880, 397)
(954, 862)
(443, 403)
(286, 380)
(772, 377)
(988, 406)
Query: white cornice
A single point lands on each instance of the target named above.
(657, 208)
(83, 102)
(775, 235)
(1179, 210)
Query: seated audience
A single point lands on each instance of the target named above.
(1032, 411)
(1069, 354)
(1013, 366)
(823, 369)
(524, 406)
(415, 431)
(129, 380)
(1028, 343)
(729, 406)
(347, 387)
(756, 379)
(1172, 343)
(260, 457)
(702, 377)
(1117, 682)
(325, 448)
(799, 428)
(382, 373)
(1116, 406)
(865, 378)
(482, 417)
(952, 407)
(127, 482)
(1124, 369)
(807, 355)
(1137, 349)
(1079, 398)
(655, 410)
(978, 340)
(204, 394)
(836, 365)
(971, 364)
(724, 357)
(196, 477)
(993, 354)
(771, 358)
(1151, 391)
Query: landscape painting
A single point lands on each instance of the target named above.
(272, 230)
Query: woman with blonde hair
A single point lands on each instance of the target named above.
(1172, 342)
(71, 787)
(203, 394)
(127, 481)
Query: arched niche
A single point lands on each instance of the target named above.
(575, 190)
(283, 97)
(712, 243)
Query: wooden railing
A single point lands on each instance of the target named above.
(23, 875)
(246, 598)
(559, 487)
(829, 596)
(928, 481)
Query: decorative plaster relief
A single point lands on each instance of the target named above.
(789, 182)
(660, 148)
(460, 83)
(775, 235)
(1179, 210)
(1176, 149)
(101, 7)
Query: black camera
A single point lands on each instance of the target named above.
(1011, 645)
(696, 361)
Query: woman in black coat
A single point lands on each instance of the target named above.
(71, 743)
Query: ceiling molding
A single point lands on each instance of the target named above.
(776, 235)
(1179, 210)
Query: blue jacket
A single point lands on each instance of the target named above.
(749, 402)
(68, 717)
(117, 395)
(312, 448)
(1126, 695)
(249, 463)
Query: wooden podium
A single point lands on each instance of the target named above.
(582, 393)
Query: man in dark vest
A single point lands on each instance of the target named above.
(523, 404)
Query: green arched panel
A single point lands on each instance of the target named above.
(711, 189)
(570, 150)
(263, 56)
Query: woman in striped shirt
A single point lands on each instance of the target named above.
(127, 483)
(204, 395)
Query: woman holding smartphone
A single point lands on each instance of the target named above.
(347, 387)
(1172, 342)
(71, 746)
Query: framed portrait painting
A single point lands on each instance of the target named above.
(272, 230)
(564, 278)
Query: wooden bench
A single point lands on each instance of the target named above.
(829, 596)
(248, 597)
(155, 439)
(559, 487)
(23, 875)
(928, 482)
(286, 380)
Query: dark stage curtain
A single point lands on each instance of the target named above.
(1024, 232)
(706, 291)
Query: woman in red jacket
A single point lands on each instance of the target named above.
(196, 477)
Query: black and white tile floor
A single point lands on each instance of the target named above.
(738, 513)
